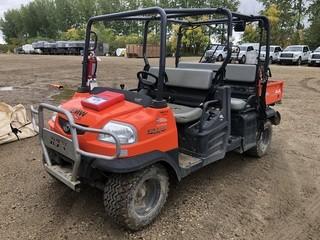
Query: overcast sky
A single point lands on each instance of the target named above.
(246, 7)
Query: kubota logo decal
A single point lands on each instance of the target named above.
(157, 130)
(78, 113)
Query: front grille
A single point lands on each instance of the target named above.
(64, 124)
(287, 55)
(316, 56)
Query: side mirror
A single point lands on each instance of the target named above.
(240, 26)
(94, 37)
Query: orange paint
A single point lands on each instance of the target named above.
(156, 128)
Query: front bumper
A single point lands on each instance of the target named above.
(68, 147)
(288, 60)
(314, 61)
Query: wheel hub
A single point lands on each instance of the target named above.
(147, 196)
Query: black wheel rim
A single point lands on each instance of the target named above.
(147, 196)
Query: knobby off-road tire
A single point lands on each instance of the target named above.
(134, 200)
(263, 142)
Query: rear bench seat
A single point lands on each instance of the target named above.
(244, 73)
(199, 76)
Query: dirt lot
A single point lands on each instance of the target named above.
(276, 197)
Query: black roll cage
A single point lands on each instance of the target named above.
(165, 16)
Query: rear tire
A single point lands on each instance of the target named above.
(134, 200)
(263, 142)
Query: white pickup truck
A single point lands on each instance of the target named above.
(219, 52)
(314, 58)
(247, 53)
(275, 51)
(295, 54)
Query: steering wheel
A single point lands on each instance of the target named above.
(143, 78)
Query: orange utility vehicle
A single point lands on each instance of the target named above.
(129, 143)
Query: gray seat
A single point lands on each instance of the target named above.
(184, 114)
(238, 104)
(186, 77)
(241, 73)
(234, 73)
(196, 65)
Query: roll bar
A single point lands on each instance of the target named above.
(166, 16)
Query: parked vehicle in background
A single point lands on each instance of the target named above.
(248, 53)
(210, 50)
(275, 51)
(25, 49)
(297, 54)
(220, 52)
(314, 58)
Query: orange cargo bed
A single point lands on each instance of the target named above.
(274, 91)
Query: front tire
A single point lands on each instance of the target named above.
(243, 59)
(263, 141)
(219, 59)
(270, 60)
(134, 200)
(299, 62)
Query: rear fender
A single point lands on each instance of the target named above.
(274, 116)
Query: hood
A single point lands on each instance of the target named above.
(291, 52)
(87, 116)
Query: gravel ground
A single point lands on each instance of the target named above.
(275, 197)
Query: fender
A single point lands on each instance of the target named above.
(131, 164)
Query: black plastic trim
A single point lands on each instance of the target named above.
(131, 164)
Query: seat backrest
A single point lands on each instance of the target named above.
(207, 66)
(241, 73)
(234, 72)
(186, 77)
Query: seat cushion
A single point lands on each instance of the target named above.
(238, 104)
(184, 114)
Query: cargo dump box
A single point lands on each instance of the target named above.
(274, 92)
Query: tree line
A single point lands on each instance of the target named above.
(292, 21)
(66, 19)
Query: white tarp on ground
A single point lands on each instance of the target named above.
(14, 120)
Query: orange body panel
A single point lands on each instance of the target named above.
(155, 128)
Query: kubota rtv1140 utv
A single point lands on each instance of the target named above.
(177, 120)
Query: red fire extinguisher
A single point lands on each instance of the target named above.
(91, 70)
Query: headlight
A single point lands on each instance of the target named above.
(124, 132)
(54, 115)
